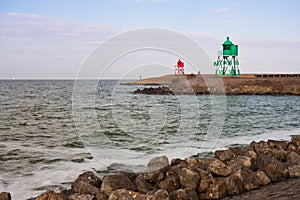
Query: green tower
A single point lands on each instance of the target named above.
(227, 63)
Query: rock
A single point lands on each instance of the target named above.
(240, 162)
(274, 169)
(123, 194)
(114, 182)
(205, 181)
(258, 147)
(250, 180)
(296, 141)
(239, 151)
(280, 155)
(294, 171)
(90, 178)
(77, 196)
(84, 188)
(262, 178)
(101, 196)
(170, 184)
(224, 155)
(216, 190)
(293, 158)
(154, 176)
(51, 195)
(184, 194)
(275, 144)
(234, 185)
(158, 195)
(191, 162)
(218, 168)
(5, 196)
(189, 178)
(158, 162)
(142, 185)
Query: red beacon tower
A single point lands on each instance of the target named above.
(179, 68)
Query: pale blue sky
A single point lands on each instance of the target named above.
(51, 38)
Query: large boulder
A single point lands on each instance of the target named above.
(189, 178)
(169, 183)
(274, 169)
(142, 185)
(158, 162)
(51, 195)
(224, 155)
(123, 194)
(118, 181)
(296, 140)
(294, 171)
(218, 168)
(5, 196)
(262, 178)
(234, 185)
(77, 196)
(275, 144)
(154, 176)
(216, 190)
(205, 181)
(240, 162)
(87, 183)
(158, 195)
(184, 194)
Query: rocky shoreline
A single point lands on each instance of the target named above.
(263, 170)
(210, 84)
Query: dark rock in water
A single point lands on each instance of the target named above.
(189, 178)
(159, 194)
(118, 181)
(5, 196)
(184, 194)
(159, 91)
(142, 185)
(123, 194)
(90, 178)
(170, 184)
(158, 162)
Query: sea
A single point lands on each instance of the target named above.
(53, 130)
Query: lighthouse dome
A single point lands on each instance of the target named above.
(227, 42)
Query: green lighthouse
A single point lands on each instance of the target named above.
(227, 63)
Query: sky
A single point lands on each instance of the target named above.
(52, 39)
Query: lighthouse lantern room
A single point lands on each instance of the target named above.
(227, 63)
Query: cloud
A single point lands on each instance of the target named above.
(221, 10)
(31, 26)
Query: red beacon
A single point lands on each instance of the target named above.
(179, 68)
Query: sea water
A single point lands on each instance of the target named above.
(52, 130)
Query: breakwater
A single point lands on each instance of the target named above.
(249, 84)
(230, 172)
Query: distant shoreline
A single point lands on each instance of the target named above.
(247, 84)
